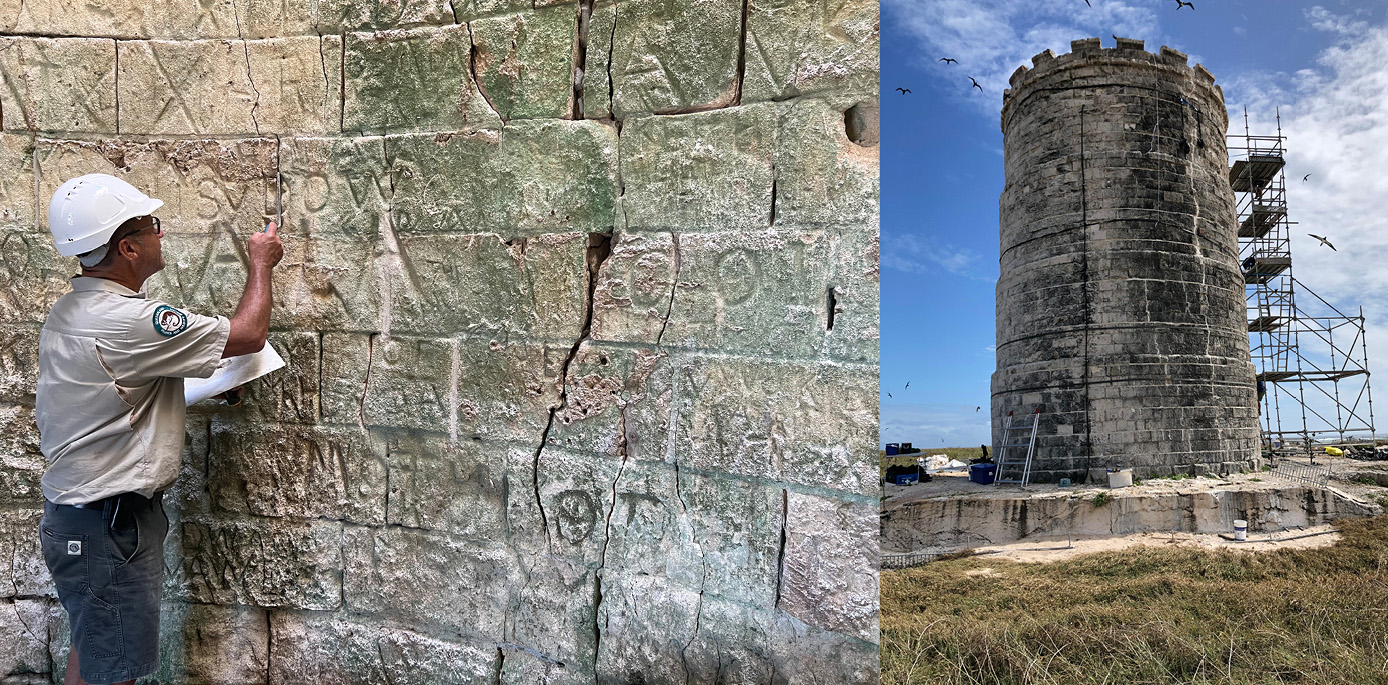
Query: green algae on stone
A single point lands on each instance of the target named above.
(674, 55)
(524, 62)
(804, 47)
(412, 80)
(822, 177)
(705, 171)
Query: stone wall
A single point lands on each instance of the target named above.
(579, 305)
(1121, 303)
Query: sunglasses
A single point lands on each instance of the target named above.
(158, 230)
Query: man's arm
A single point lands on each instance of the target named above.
(250, 325)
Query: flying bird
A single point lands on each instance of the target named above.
(1180, 4)
(980, 88)
(889, 394)
(1304, 178)
(908, 384)
(949, 60)
(977, 408)
(1086, 2)
(904, 90)
(1323, 241)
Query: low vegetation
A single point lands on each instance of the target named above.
(1146, 615)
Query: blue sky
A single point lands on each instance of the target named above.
(1325, 65)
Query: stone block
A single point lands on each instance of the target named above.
(296, 472)
(553, 633)
(631, 300)
(330, 649)
(596, 90)
(185, 88)
(797, 423)
(524, 62)
(204, 643)
(23, 572)
(776, 293)
(260, 562)
(822, 177)
(830, 577)
(480, 285)
(801, 47)
(459, 488)
(21, 462)
(470, 388)
(336, 194)
(576, 493)
(609, 391)
(647, 624)
(19, 363)
(412, 80)
(58, 84)
(289, 394)
(673, 56)
(18, 208)
(297, 84)
(534, 177)
(334, 16)
(35, 276)
(188, 496)
(711, 170)
(388, 570)
(25, 626)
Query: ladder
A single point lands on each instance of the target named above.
(1013, 435)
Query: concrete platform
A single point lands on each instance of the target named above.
(950, 513)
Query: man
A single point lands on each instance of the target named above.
(110, 412)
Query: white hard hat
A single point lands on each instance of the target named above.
(86, 210)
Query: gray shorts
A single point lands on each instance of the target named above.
(108, 565)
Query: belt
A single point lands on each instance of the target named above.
(100, 504)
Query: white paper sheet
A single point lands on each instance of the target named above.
(231, 372)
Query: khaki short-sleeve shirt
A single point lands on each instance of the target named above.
(109, 402)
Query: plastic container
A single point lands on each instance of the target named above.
(982, 474)
(893, 449)
(1240, 530)
(1120, 478)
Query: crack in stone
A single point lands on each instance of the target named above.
(833, 304)
(670, 306)
(246, 50)
(366, 383)
(117, 73)
(611, 87)
(773, 194)
(323, 62)
(585, 15)
(500, 663)
(472, 69)
(741, 55)
(781, 554)
(703, 578)
(342, 85)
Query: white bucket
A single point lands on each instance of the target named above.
(1240, 529)
(1120, 478)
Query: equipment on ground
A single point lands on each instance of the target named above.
(1015, 452)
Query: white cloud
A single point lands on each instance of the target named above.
(991, 38)
(935, 424)
(916, 254)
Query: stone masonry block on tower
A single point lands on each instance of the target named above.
(524, 62)
(805, 47)
(412, 80)
(58, 84)
(672, 56)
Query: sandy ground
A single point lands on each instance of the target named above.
(1041, 551)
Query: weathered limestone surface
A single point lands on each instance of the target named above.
(579, 315)
(1121, 303)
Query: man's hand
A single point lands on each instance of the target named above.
(265, 248)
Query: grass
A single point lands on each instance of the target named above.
(963, 454)
(1146, 615)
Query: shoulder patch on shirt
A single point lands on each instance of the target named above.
(169, 322)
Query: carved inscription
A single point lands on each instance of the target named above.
(576, 515)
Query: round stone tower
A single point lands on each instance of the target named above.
(1121, 304)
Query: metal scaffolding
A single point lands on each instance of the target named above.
(1312, 365)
